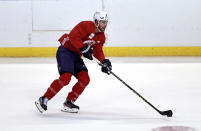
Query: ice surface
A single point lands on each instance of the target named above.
(106, 104)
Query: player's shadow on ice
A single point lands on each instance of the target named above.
(114, 116)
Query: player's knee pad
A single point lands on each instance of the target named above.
(83, 78)
(65, 78)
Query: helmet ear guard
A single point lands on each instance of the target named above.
(96, 22)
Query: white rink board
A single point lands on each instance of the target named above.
(136, 23)
(63, 14)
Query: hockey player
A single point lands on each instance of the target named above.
(86, 38)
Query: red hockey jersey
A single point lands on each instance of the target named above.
(84, 33)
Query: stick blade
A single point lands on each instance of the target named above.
(167, 113)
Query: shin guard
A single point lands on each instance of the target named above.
(78, 88)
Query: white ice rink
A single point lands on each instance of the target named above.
(106, 104)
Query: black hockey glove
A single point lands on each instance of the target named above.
(106, 66)
(87, 52)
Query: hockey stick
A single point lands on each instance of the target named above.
(167, 113)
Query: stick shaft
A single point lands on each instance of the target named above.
(135, 92)
(131, 88)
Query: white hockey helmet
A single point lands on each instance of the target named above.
(100, 15)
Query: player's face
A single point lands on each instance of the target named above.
(102, 25)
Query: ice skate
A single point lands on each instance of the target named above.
(41, 104)
(70, 107)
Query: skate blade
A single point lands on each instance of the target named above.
(40, 109)
(69, 110)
